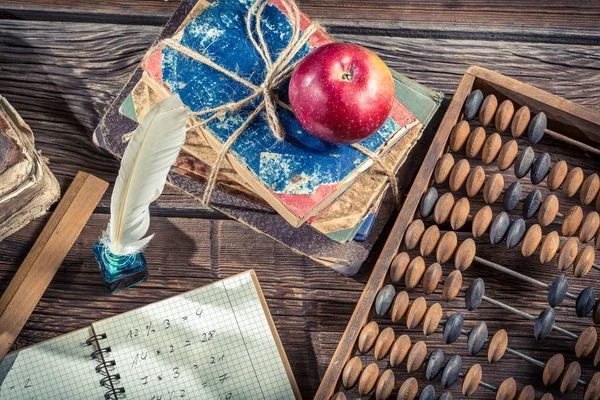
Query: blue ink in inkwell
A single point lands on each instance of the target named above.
(120, 272)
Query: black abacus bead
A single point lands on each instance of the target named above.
(474, 294)
(435, 364)
(585, 302)
(446, 396)
(515, 233)
(384, 299)
(499, 228)
(472, 104)
(477, 338)
(512, 196)
(428, 202)
(540, 168)
(428, 393)
(451, 371)
(453, 327)
(523, 162)
(537, 128)
(544, 323)
(532, 204)
(558, 291)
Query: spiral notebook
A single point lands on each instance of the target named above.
(216, 343)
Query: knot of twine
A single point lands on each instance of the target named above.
(278, 70)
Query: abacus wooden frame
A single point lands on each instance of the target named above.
(564, 116)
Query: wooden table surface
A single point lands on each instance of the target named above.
(63, 61)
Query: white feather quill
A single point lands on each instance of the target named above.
(148, 158)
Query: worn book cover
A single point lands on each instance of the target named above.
(27, 187)
(248, 208)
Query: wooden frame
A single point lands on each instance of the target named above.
(564, 116)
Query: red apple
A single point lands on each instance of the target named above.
(341, 93)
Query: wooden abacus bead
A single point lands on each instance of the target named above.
(385, 385)
(351, 373)
(507, 390)
(520, 122)
(567, 254)
(451, 371)
(416, 312)
(414, 272)
(429, 240)
(443, 208)
(475, 181)
(512, 196)
(497, 346)
(475, 142)
(474, 294)
(557, 175)
(584, 261)
(558, 291)
(443, 168)
(549, 247)
(383, 343)
(585, 302)
(548, 210)
(488, 110)
(428, 202)
(368, 378)
(459, 136)
(464, 255)
(589, 189)
(416, 357)
(482, 221)
(384, 299)
(598, 203)
(527, 393)
(459, 174)
(596, 317)
(598, 241)
(493, 188)
(570, 377)
(453, 327)
(532, 203)
(532, 240)
(339, 396)
(590, 226)
(431, 279)
(537, 128)
(428, 393)
(504, 115)
(434, 364)
(499, 228)
(545, 396)
(472, 380)
(398, 267)
(452, 286)
(399, 350)
(413, 234)
(553, 369)
(432, 319)
(586, 342)
(491, 148)
(573, 182)
(477, 338)
(540, 168)
(408, 390)
(446, 247)
(524, 162)
(472, 104)
(544, 323)
(367, 337)
(592, 390)
(572, 221)
(460, 213)
(508, 154)
(399, 306)
(515, 233)
(446, 396)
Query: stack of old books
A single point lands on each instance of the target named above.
(326, 201)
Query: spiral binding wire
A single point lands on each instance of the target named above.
(106, 367)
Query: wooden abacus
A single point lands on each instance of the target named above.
(510, 106)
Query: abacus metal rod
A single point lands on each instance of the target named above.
(516, 274)
(573, 142)
(534, 361)
(482, 384)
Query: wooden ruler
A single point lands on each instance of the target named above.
(33, 277)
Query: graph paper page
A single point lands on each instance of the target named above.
(60, 368)
(211, 343)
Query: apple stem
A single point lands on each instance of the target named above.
(347, 76)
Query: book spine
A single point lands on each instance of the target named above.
(106, 367)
